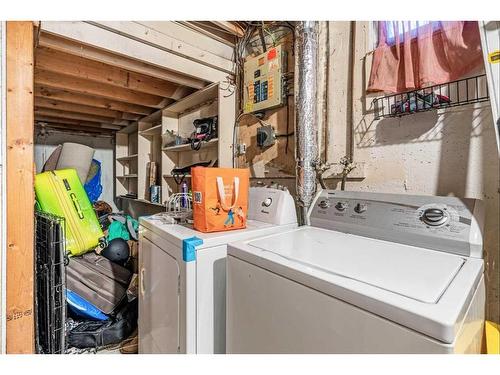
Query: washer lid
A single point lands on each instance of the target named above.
(413, 272)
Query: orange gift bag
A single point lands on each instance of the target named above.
(220, 198)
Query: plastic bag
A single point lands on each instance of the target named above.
(82, 308)
(93, 186)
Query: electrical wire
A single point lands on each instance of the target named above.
(239, 51)
(236, 123)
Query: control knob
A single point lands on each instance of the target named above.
(434, 217)
(267, 202)
(341, 206)
(324, 204)
(360, 208)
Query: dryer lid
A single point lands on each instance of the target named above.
(409, 271)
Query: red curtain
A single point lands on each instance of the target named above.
(409, 57)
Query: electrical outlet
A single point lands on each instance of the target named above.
(241, 149)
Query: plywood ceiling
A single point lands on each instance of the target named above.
(78, 87)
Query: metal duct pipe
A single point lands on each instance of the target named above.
(306, 116)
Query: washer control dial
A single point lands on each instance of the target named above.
(434, 216)
(341, 206)
(360, 208)
(324, 204)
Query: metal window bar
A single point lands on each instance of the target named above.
(433, 97)
(50, 281)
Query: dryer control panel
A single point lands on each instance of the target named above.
(447, 224)
(273, 206)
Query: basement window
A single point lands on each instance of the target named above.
(399, 30)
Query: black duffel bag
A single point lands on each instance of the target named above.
(96, 334)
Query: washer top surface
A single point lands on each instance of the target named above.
(413, 272)
(425, 290)
(176, 233)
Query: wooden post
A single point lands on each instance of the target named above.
(20, 193)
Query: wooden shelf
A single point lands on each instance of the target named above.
(170, 176)
(148, 202)
(155, 130)
(141, 201)
(132, 128)
(211, 92)
(127, 176)
(127, 158)
(187, 146)
(154, 117)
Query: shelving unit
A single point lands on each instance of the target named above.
(126, 165)
(155, 130)
(171, 176)
(178, 117)
(141, 142)
(187, 146)
(127, 158)
(451, 94)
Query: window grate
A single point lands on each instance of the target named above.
(451, 94)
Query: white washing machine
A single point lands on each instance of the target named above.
(182, 297)
(373, 273)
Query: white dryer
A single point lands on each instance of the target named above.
(182, 297)
(373, 273)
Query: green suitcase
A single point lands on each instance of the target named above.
(61, 193)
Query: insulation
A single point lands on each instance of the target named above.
(306, 116)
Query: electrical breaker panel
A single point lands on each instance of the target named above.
(263, 80)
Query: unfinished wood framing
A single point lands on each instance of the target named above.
(59, 62)
(230, 27)
(20, 196)
(85, 86)
(76, 98)
(134, 48)
(103, 74)
(183, 32)
(88, 52)
(75, 122)
(86, 109)
(79, 116)
(168, 43)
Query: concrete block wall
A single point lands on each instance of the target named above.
(445, 152)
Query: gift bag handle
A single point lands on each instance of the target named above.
(222, 193)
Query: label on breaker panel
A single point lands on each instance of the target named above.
(249, 106)
(273, 65)
(494, 57)
(270, 88)
(271, 54)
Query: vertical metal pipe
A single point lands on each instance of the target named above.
(306, 116)
(322, 106)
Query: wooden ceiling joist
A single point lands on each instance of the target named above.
(77, 123)
(79, 49)
(42, 102)
(59, 62)
(231, 27)
(78, 116)
(84, 86)
(76, 98)
(73, 128)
